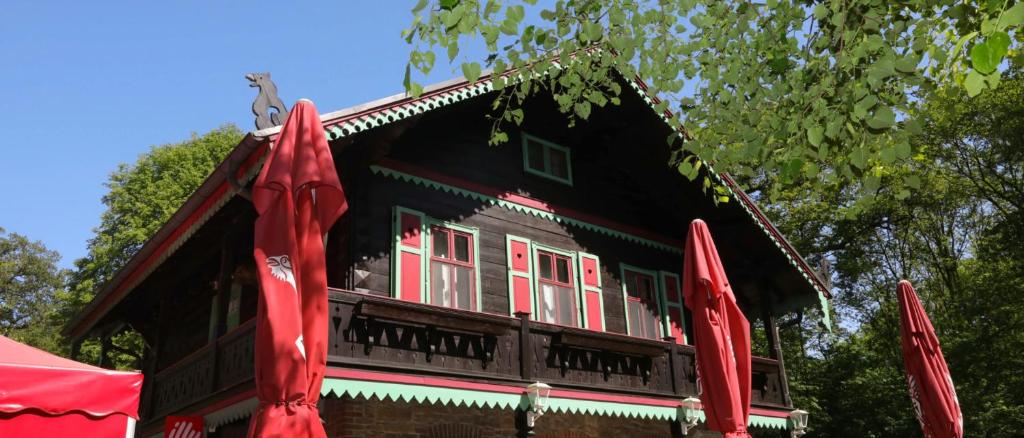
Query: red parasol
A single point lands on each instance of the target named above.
(298, 197)
(931, 388)
(722, 336)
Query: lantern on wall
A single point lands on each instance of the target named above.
(798, 421)
(538, 393)
(690, 411)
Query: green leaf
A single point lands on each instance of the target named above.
(882, 69)
(884, 118)
(517, 116)
(858, 158)
(903, 150)
(998, 42)
(815, 134)
(453, 51)
(820, 11)
(983, 58)
(448, 4)
(903, 194)
(974, 83)
(471, 70)
(419, 6)
(907, 64)
(913, 181)
(887, 155)
(1012, 17)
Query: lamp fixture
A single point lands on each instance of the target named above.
(691, 414)
(538, 393)
(798, 421)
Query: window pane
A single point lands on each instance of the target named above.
(545, 266)
(547, 294)
(634, 318)
(559, 163)
(463, 287)
(645, 285)
(461, 247)
(566, 306)
(440, 243)
(650, 321)
(562, 268)
(440, 284)
(535, 155)
(630, 284)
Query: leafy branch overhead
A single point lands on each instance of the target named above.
(782, 92)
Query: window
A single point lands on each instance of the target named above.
(546, 159)
(642, 310)
(556, 288)
(434, 261)
(452, 268)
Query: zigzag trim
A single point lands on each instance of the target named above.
(433, 395)
(431, 184)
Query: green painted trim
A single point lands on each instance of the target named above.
(529, 275)
(623, 267)
(408, 393)
(547, 159)
(584, 289)
(401, 176)
(475, 232)
(397, 249)
(662, 275)
(574, 265)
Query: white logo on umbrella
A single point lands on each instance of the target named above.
(281, 269)
(915, 392)
(302, 347)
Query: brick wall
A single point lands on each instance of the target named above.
(360, 418)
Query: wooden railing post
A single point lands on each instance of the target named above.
(525, 349)
(675, 370)
(775, 352)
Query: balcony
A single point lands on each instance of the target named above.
(379, 333)
(384, 334)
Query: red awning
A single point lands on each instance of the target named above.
(38, 390)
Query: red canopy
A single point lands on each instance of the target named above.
(45, 395)
(298, 197)
(721, 336)
(931, 387)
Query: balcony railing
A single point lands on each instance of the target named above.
(382, 333)
(373, 332)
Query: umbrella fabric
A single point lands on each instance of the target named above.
(721, 336)
(298, 197)
(931, 387)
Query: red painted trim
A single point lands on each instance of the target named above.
(775, 232)
(122, 289)
(525, 201)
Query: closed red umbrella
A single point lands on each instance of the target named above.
(931, 387)
(298, 197)
(721, 336)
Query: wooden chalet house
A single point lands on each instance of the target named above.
(462, 273)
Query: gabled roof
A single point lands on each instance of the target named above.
(247, 157)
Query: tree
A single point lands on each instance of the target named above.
(141, 198)
(957, 239)
(791, 91)
(30, 282)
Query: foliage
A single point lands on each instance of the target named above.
(796, 90)
(957, 239)
(142, 197)
(30, 284)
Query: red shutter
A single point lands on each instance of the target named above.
(590, 291)
(674, 305)
(520, 275)
(409, 255)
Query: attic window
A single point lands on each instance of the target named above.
(546, 159)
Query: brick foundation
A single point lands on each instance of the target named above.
(360, 418)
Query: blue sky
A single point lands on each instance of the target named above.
(85, 86)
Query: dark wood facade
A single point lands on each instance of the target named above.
(194, 309)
